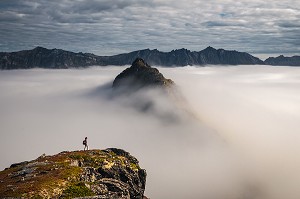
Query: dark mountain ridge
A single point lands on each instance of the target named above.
(45, 58)
(40, 57)
(183, 57)
(283, 61)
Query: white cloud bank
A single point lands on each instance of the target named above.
(246, 145)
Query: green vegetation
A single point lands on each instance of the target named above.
(134, 166)
(77, 190)
(71, 172)
(75, 156)
(103, 158)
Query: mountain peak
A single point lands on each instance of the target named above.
(139, 75)
(181, 50)
(139, 62)
(39, 48)
(209, 48)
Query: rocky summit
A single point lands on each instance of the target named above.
(149, 91)
(106, 174)
(141, 75)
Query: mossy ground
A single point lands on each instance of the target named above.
(77, 190)
(56, 176)
(98, 157)
(45, 180)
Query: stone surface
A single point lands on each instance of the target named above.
(107, 174)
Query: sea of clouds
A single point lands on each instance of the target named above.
(242, 139)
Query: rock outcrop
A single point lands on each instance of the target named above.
(106, 174)
(141, 75)
(283, 61)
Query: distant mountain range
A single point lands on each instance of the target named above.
(283, 61)
(40, 57)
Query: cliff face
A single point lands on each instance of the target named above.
(107, 174)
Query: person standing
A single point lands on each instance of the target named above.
(85, 144)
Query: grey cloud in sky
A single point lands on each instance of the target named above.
(108, 27)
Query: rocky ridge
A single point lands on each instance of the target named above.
(40, 57)
(106, 174)
(184, 57)
(283, 61)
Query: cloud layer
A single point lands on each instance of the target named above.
(108, 27)
(246, 144)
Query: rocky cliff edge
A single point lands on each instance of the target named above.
(106, 174)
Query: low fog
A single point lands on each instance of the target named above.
(238, 139)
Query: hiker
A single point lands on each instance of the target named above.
(85, 144)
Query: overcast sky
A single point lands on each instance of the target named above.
(107, 27)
